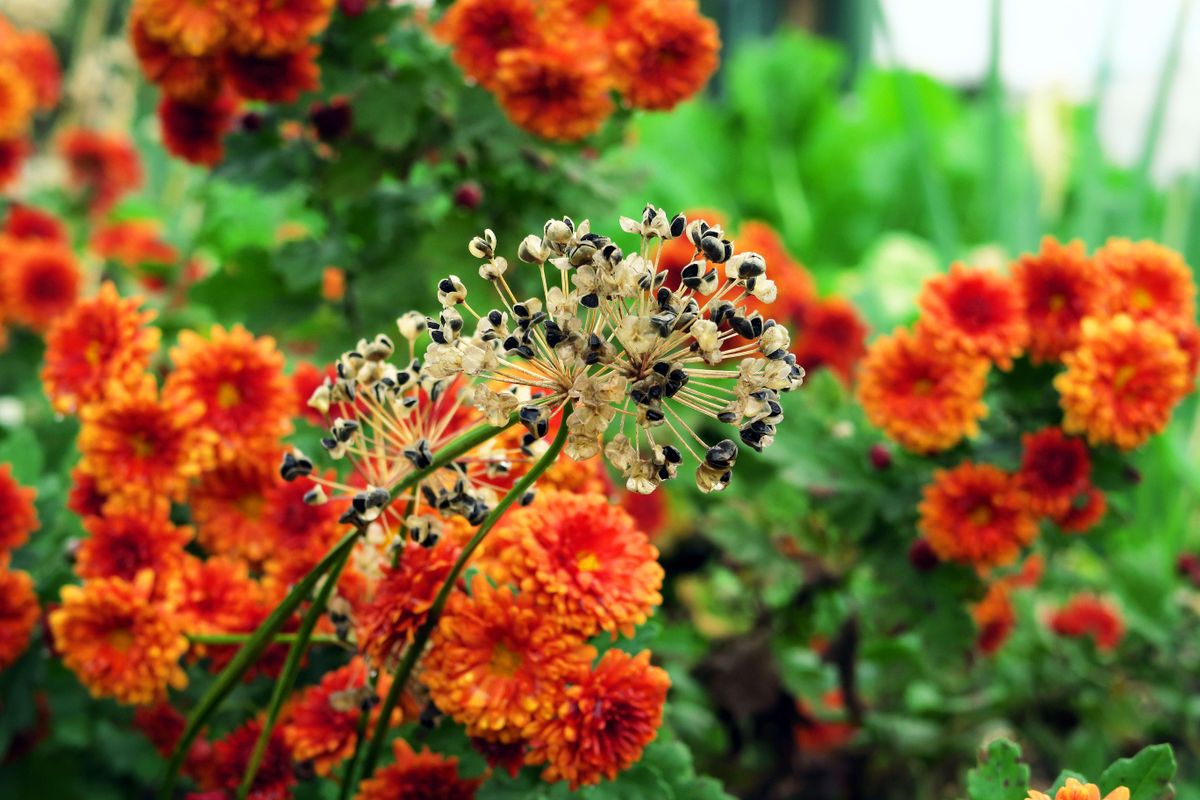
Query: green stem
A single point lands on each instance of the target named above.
(290, 671)
(360, 735)
(375, 747)
(282, 638)
(250, 652)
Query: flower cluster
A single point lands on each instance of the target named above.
(18, 602)
(208, 57)
(553, 65)
(30, 82)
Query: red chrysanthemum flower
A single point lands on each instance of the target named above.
(306, 377)
(215, 595)
(17, 102)
(26, 223)
(401, 601)
(122, 544)
(1088, 615)
(134, 444)
(228, 505)
(830, 333)
(1123, 381)
(133, 243)
(496, 661)
(195, 131)
(238, 380)
(117, 642)
(278, 78)
(18, 614)
(36, 60)
(1148, 281)
(418, 776)
(41, 282)
(508, 756)
(603, 722)
(297, 534)
(823, 729)
(1055, 469)
(230, 756)
(274, 27)
(975, 311)
(321, 726)
(925, 398)
(13, 152)
(556, 91)
(103, 339)
(480, 30)
(581, 558)
(976, 514)
(18, 517)
(85, 498)
(667, 56)
(105, 167)
(994, 618)
(1060, 286)
(192, 78)
(1084, 513)
(192, 28)
(609, 17)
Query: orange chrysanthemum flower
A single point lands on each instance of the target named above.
(611, 17)
(581, 558)
(195, 131)
(1060, 286)
(994, 618)
(480, 30)
(1123, 382)
(117, 642)
(18, 614)
(924, 398)
(333, 284)
(124, 543)
(26, 223)
(418, 776)
(974, 311)
(276, 774)
(402, 598)
(238, 380)
(1055, 469)
(184, 77)
(13, 152)
(193, 28)
(132, 443)
(976, 514)
(297, 534)
(306, 377)
(278, 78)
(1074, 790)
(132, 243)
(215, 595)
(555, 91)
(823, 729)
(228, 504)
(1148, 281)
(322, 723)
(105, 167)
(17, 101)
(667, 56)
(603, 722)
(274, 27)
(1085, 514)
(41, 282)
(797, 289)
(37, 62)
(103, 339)
(496, 660)
(18, 517)
(576, 477)
(1088, 615)
(830, 333)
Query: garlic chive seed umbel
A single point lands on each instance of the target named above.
(608, 336)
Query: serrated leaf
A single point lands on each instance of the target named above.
(1000, 774)
(1147, 775)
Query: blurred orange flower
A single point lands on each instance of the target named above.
(976, 514)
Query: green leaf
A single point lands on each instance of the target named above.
(1000, 774)
(1147, 775)
(22, 451)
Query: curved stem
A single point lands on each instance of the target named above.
(282, 638)
(408, 663)
(290, 671)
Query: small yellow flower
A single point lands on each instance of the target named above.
(1074, 790)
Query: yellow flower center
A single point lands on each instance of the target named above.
(505, 662)
(92, 353)
(980, 516)
(588, 562)
(1056, 302)
(142, 448)
(599, 16)
(121, 639)
(1124, 375)
(922, 387)
(1141, 299)
(228, 396)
